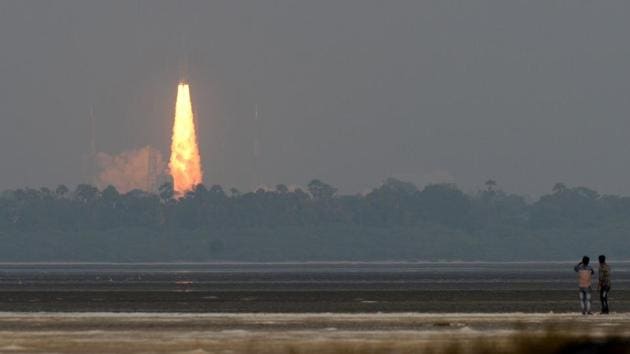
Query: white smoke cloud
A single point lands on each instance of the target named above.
(143, 168)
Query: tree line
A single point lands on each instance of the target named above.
(438, 217)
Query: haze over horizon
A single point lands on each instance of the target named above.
(353, 92)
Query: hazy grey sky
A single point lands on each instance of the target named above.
(526, 92)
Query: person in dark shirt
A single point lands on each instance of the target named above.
(603, 283)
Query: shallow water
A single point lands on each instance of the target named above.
(301, 287)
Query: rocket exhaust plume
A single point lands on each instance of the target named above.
(185, 162)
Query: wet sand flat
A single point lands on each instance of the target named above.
(301, 287)
(299, 301)
(306, 308)
(291, 333)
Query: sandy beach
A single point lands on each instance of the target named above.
(301, 333)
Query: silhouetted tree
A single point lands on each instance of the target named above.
(559, 188)
(166, 192)
(234, 192)
(445, 204)
(281, 188)
(320, 190)
(85, 193)
(490, 184)
(61, 191)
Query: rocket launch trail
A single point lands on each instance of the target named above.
(185, 161)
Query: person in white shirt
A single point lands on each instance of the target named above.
(585, 280)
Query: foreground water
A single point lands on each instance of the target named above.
(537, 287)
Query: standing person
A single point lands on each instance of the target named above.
(603, 283)
(585, 279)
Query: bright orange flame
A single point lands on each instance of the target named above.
(185, 163)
